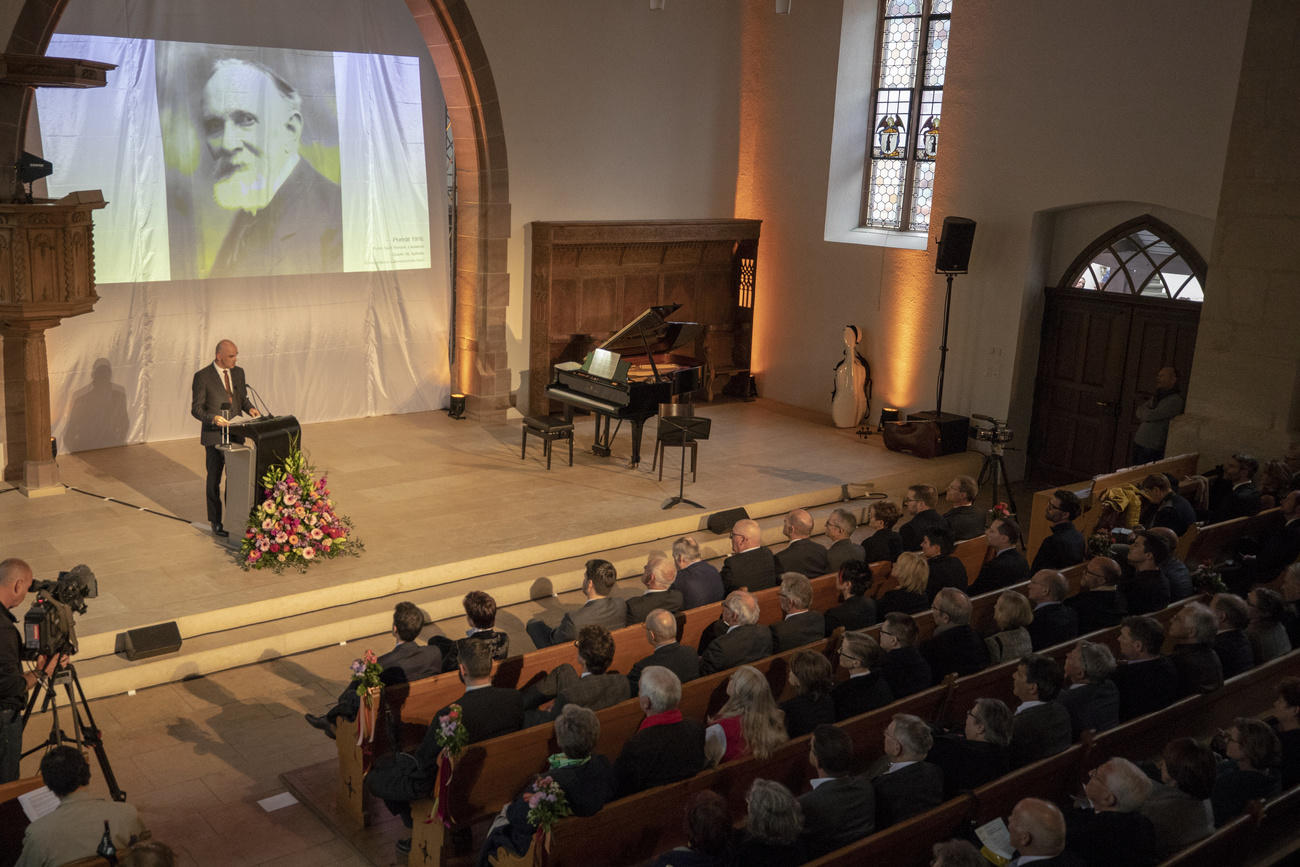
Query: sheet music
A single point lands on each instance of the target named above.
(38, 802)
(603, 363)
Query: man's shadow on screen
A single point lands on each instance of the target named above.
(98, 417)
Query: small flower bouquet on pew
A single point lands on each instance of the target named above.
(547, 804)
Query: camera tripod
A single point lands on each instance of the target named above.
(995, 469)
(85, 732)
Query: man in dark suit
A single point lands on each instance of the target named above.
(658, 577)
(965, 521)
(219, 393)
(661, 634)
(1230, 642)
(698, 582)
(1146, 680)
(1171, 509)
(909, 785)
(1041, 727)
(857, 610)
(883, 543)
(1281, 548)
(1089, 695)
(667, 747)
(954, 647)
(1007, 566)
(1193, 630)
(799, 626)
(751, 566)
(1037, 830)
(1235, 495)
(599, 610)
(1110, 830)
(1148, 590)
(1064, 548)
(802, 555)
(1054, 622)
(865, 689)
(744, 639)
(839, 529)
(840, 808)
(919, 506)
(945, 570)
(406, 662)
(905, 668)
(1099, 604)
(594, 686)
(981, 755)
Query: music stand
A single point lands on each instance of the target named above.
(690, 428)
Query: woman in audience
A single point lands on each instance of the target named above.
(1179, 807)
(956, 853)
(772, 828)
(1012, 613)
(912, 572)
(1268, 638)
(883, 543)
(812, 677)
(708, 834)
(749, 723)
(1253, 754)
(1287, 710)
(866, 688)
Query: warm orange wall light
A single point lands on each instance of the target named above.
(910, 307)
(756, 115)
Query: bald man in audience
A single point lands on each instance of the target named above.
(1054, 622)
(751, 566)
(965, 521)
(799, 625)
(698, 582)
(658, 576)
(802, 555)
(1037, 831)
(743, 640)
(839, 529)
(661, 635)
(1099, 604)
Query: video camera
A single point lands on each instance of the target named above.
(998, 434)
(48, 628)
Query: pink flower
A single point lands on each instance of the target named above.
(308, 553)
(267, 523)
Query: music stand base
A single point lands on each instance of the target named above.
(673, 501)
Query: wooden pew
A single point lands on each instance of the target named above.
(908, 842)
(1227, 845)
(13, 821)
(1210, 543)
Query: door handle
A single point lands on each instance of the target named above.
(1104, 403)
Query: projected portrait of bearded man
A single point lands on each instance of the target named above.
(288, 216)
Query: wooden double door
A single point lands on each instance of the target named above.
(1096, 364)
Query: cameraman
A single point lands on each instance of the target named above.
(15, 578)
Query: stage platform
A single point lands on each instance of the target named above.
(443, 506)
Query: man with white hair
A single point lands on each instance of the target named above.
(751, 566)
(799, 626)
(658, 576)
(744, 640)
(1193, 630)
(288, 216)
(697, 581)
(667, 747)
(839, 529)
(1110, 830)
(1090, 695)
(910, 784)
(802, 555)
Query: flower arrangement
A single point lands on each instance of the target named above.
(295, 524)
(452, 736)
(366, 671)
(1208, 579)
(547, 804)
(999, 512)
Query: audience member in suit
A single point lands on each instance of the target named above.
(773, 832)
(1012, 613)
(865, 688)
(1231, 642)
(749, 723)
(839, 529)
(811, 677)
(666, 747)
(965, 521)
(744, 640)
(912, 572)
(1171, 509)
(698, 582)
(884, 543)
(1041, 727)
(709, 834)
(1064, 548)
(751, 566)
(857, 610)
(657, 576)
(1007, 566)
(1174, 570)
(1037, 831)
(487, 711)
(1268, 638)
(945, 570)
(798, 626)
(910, 784)
(1235, 495)
(661, 634)
(1148, 590)
(919, 506)
(981, 755)
(1286, 708)
(1281, 548)
(802, 555)
(593, 687)
(406, 662)
(1291, 596)
(1253, 752)
(586, 778)
(840, 808)
(1054, 622)
(1099, 604)
(1111, 830)
(1089, 695)
(1192, 631)
(481, 619)
(1147, 681)
(905, 669)
(954, 646)
(599, 610)
(1179, 805)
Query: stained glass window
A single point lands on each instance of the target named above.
(906, 110)
(1142, 257)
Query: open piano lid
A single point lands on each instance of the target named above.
(651, 331)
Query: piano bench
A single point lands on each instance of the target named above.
(549, 429)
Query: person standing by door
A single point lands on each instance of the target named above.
(1154, 414)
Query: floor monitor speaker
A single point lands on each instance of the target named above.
(722, 522)
(150, 641)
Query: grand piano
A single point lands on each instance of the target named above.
(650, 372)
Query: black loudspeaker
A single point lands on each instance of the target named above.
(150, 641)
(954, 245)
(722, 522)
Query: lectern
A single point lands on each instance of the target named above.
(267, 441)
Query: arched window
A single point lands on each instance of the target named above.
(1143, 257)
